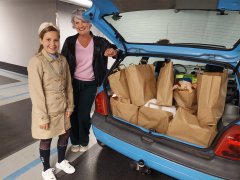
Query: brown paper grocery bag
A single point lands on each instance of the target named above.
(185, 126)
(141, 83)
(156, 119)
(125, 111)
(185, 99)
(165, 84)
(118, 84)
(211, 96)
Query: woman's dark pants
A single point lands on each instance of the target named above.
(84, 93)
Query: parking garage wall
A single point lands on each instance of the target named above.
(19, 21)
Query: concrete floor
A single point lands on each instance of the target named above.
(106, 164)
(26, 165)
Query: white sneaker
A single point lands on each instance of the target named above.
(48, 174)
(65, 166)
(75, 148)
(83, 148)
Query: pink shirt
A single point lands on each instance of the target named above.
(84, 59)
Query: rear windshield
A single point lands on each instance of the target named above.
(179, 27)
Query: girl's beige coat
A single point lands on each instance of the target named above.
(51, 94)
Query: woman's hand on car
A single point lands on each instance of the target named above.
(110, 52)
(44, 126)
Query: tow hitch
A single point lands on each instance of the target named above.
(140, 167)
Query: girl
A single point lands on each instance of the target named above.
(52, 99)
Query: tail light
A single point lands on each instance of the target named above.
(101, 104)
(229, 144)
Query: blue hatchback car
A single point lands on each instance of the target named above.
(199, 35)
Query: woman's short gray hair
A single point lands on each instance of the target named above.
(78, 14)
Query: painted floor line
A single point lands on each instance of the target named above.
(9, 97)
(27, 167)
(17, 74)
(13, 86)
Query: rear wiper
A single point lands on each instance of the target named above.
(200, 45)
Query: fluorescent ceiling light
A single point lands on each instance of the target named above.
(82, 3)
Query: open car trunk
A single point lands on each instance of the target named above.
(178, 109)
(183, 101)
(174, 131)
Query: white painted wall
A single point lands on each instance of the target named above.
(19, 21)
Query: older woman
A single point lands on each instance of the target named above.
(87, 56)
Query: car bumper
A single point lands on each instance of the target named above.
(170, 161)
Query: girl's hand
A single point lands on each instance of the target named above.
(44, 126)
(68, 114)
(110, 52)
